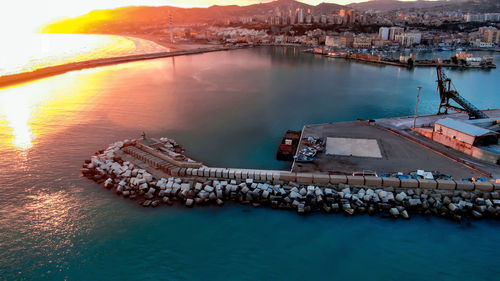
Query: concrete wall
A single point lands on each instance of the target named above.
(485, 155)
(453, 143)
(453, 134)
(474, 151)
(321, 178)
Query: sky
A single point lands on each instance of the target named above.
(19, 16)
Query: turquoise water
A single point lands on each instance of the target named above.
(228, 109)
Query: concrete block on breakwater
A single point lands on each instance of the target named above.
(483, 186)
(446, 184)
(465, 185)
(336, 179)
(321, 178)
(304, 178)
(409, 183)
(355, 180)
(373, 181)
(429, 184)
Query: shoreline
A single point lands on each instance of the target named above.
(18, 78)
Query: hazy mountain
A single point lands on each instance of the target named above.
(477, 6)
(388, 5)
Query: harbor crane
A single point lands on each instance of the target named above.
(446, 92)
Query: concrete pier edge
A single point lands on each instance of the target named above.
(308, 178)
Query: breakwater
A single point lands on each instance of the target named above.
(155, 172)
(12, 79)
(371, 59)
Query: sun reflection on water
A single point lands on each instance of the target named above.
(17, 114)
(45, 107)
(49, 211)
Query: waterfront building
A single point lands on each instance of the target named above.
(394, 31)
(491, 36)
(380, 43)
(408, 39)
(333, 41)
(342, 41)
(383, 33)
(480, 44)
(477, 138)
(362, 42)
(406, 59)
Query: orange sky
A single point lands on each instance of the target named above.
(28, 15)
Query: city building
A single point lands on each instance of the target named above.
(394, 31)
(408, 39)
(482, 17)
(362, 42)
(477, 138)
(491, 36)
(301, 16)
(383, 33)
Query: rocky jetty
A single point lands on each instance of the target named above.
(128, 180)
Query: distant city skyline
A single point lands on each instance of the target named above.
(28, 16)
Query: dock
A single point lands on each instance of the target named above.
(288, 146)
(370, 59)
(154, 171)
(400, 149)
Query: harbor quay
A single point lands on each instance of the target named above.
(354, 147)
(398, 145)
(157, 171)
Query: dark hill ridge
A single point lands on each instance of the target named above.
(476, 6)
(388, 5)
(159, 15)
(484, 6)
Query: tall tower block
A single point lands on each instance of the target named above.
(171, 30)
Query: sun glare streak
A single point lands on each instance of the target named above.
(34, 112)
(16, 112)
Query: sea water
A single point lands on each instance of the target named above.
(228, 109)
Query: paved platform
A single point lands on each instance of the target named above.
(404, 124)
(398, 154)
(353, 147)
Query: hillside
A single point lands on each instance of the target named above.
(388, 5)
(482, 6)
(117, 18)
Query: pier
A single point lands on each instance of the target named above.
(12, 79)
(153, 172)
(371, 59)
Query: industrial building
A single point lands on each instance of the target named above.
(478, 138)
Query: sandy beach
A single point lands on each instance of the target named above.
(124, 49)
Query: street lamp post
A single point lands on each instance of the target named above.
(416, 108)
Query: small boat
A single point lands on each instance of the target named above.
(303, 159)
(309, 152)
